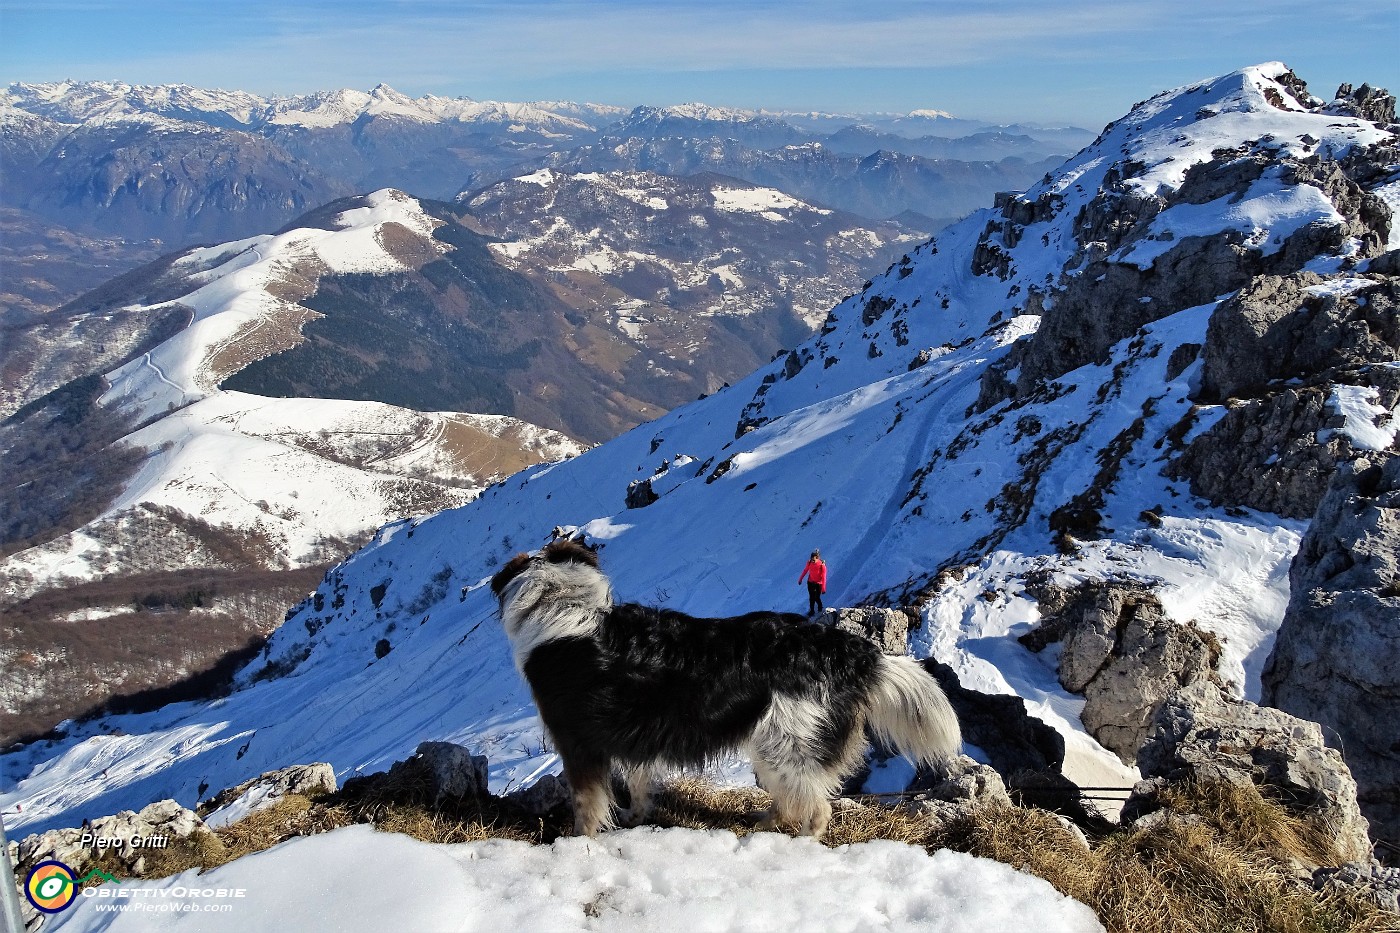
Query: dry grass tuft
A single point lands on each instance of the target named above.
(1033, 841)
(200, 850)
(404, 801)
(1243, 814)
(449, 827)
(288, 817)
(1182, 875)
(694, 803)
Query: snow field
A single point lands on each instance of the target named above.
(631, 881)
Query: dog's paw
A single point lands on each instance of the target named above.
(766, 821)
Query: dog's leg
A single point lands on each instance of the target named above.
(818, 782)
(800, 791)
(592, 804)
(811, 799)
(795, 760)
(639, 787)
(768, 780)
(593, 801)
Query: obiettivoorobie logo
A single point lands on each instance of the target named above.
(51, 886)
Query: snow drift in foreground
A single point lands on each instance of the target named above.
(634, 880)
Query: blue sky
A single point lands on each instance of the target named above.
(1045, 60)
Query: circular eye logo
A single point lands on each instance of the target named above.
(50, 887)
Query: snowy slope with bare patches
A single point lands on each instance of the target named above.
(299, 477)
(664, 254)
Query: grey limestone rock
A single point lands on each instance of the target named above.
(1290, 327)
(456, 772)
(887, 628)
(1102, 297)
(1274, 353)
(544, 795)
(1200, 733)
(1122, 652)
(1266, 454)
(640, 494)
(966, 784)
(1371, 880)
(307, 780)
(1368, 103)
(442, 770)
(1013, 740)
(1336, 658)
(125, 835)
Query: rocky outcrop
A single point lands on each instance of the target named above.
(1122, 652)
(1277, 445)
(118, 845)
(120, 841)
(640, 494)
(1012, 739)
(1366, 102)
(1369, 880)
(1295, 327)
(1018, 745)
(234, 802)
(548, 792)
(1104, 296)
(964, 785)
(437, 771)
(887, 628)
(1334, 659)
(1266, 454)
(1105, 302)
(1201, 734)
(1015, 742)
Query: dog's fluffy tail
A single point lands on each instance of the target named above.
(910, 713)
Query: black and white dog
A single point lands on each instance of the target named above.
(633, 688)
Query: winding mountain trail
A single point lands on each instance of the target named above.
(160, 374)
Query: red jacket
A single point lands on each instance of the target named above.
(816, 572)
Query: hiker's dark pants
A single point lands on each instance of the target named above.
(814, 599)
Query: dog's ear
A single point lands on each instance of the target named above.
(566, 551)
(513, 568)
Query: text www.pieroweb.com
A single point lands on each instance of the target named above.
(164, 900)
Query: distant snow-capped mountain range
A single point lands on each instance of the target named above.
(77, 102)
(239, 490)
(167, 167)
(86, 101)
(1148, 367)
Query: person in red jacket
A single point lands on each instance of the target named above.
(815, 575)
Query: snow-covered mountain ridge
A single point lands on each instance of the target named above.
(699, 246)
(239, 487)
(275, 466)
(90, 101)
(901, 440)
(83, 101)
(265, 379)
(178, 166)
